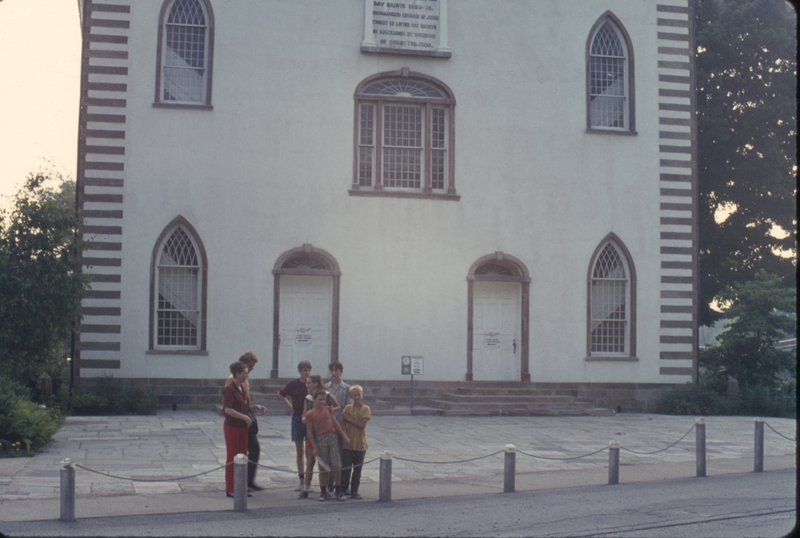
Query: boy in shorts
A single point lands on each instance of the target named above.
(296, 389)
(323, 430)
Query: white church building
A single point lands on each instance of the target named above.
(505, 188)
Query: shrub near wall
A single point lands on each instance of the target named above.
(113, 396)
(709, 398)
(25, 426)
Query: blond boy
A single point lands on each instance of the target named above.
(354, 417)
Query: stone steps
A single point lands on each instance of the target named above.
(450, 399)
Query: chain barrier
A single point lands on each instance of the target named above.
(175, 479)
(276, 469)
(561, 459)
(663, 449)
(779, 433)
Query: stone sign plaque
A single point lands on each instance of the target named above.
(416, 27)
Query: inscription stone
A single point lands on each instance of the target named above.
(416, 27)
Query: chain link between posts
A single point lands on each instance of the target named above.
(562, 459)
(174, 479)
(779, 433)
(276, 469)
(663, 449)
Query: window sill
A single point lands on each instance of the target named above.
(197, 352)
(611, 132)
(189, 106)
(610, 358)
(401, 194)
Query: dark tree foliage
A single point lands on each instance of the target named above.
(40, 279)
(759, 310)
(747, 122)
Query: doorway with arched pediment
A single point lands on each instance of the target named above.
(306, 311)
(498, 290)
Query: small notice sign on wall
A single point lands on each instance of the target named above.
(416, 27)
(491, 339)
(302, 336)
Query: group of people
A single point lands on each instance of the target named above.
(328, 427)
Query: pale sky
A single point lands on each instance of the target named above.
(40, 47)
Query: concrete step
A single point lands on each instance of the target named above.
(490, 391)
(516, 398)
(485, 398)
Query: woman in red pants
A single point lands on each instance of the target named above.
(237, 420)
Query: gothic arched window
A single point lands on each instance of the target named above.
(611, 302)
(179, 282)
(610, 74)
(185, 45)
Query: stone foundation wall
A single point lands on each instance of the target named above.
(207, 393)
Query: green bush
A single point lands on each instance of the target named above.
(697, 401)
(766, 402)
(709, 397)
(114, 396)
(89, 404)
(24, 424)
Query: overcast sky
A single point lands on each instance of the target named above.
(40, 44)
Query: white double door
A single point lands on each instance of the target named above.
(495, 331)
(305, 323)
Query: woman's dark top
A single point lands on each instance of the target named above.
(234, 398)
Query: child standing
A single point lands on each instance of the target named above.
(322, 431)
(313, 382)
(355, 417)
(296, 390)
(341, 391)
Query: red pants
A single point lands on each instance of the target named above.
(236, 443)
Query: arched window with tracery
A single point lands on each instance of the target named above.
(178, 298)
(610, 77)
(404, 137)
(185, 46)
(611, 302)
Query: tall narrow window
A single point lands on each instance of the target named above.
(404, 137)
(611, 303)
(178, 291)
(185, 51)
(610, 87)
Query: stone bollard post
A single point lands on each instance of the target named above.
(385, 487)
(240, 483)
(700, 446)
(758, 462)
(67, 491)
(509, 469)
(613, 462)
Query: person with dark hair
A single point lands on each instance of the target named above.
(323, 430)
(236, 408)
(340, 391)
(314, 382)
(249, 359)
(296, 389)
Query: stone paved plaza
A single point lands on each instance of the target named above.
(176, 444)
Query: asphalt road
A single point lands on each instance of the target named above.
(736, 505)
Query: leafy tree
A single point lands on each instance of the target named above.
(760, 310)
(40, 279)
(747, 121)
